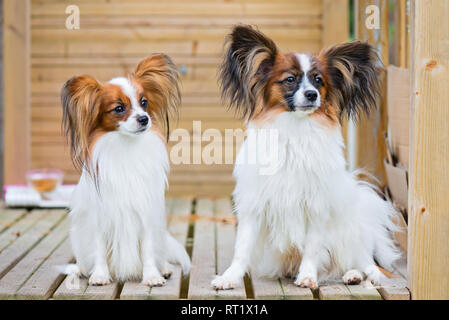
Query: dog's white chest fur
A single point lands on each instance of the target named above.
(309, 158)
(309, 197)
(126, 203)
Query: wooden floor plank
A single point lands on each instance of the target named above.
(203, 255)
(225, 229)
(267, 289)
(18, 229)
(78, 288)
(19, 248)
(107, 292)
(293, 292)
(9, 217)
(71, 288)
(21, 272)
(178, 227)
(135, 290)
(334, 292)
(396, 288)
(364, 291)
(46, 279)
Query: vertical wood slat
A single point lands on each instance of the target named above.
(336, 30)
(428, 250)
(16, 37)
(402, 34)
(2, 126)
(370, 142)
(225, 234)
(178, 226)
(203, 254)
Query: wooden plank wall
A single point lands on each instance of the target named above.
(115, 34)
(16, 37)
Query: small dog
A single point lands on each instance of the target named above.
(311, 219)
(118, 225)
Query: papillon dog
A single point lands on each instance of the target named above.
(118, 228)
(311, 219)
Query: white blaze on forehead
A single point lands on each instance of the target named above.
(127, 89)
(305, 62)
(299, 98)
(130, 125)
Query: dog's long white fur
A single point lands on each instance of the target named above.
(123, 217)
(311, 218)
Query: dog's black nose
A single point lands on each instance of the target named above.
(142, 120)
(311, 95)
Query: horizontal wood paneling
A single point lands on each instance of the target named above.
(116, 34)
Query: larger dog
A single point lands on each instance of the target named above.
(310, 218)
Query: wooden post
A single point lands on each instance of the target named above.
(336, 30)
(428, 247)
(1, 100)
(16, 89)
(370, 141)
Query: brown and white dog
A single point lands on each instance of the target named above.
(310, 218)
(118, 208)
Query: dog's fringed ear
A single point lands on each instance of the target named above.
(80, 106)
(160, 80)
(354, 70)
(245, 71)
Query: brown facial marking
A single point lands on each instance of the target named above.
(157, 78)
(274, 102)
(112, 97)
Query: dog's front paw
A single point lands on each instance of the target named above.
(167, 272)
(224, 283)
(306, 282)
(99, 278)
(352, 277)
(373, 275)
(154, 281)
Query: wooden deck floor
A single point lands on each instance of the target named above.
(33, 242)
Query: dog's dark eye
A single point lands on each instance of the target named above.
(119, 109)
(318, 80)
(144, 103)
(290, 79)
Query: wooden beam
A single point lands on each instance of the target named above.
(428, 252)
(1, 100)
(16, 90)
(370, 141)
(336, 30)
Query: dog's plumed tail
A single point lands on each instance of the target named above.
(68, 269)
(177, 254)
